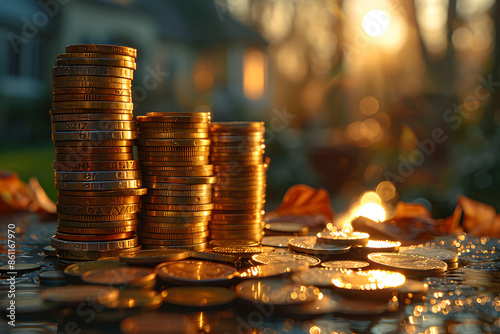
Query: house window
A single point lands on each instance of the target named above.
(254, 73)
(26, 59)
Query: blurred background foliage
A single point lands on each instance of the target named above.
(353, 93)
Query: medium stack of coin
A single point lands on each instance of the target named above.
(236, 153)
(173, 149)
(93, 130)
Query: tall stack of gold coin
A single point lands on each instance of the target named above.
(173, 152)
(236, 153)
(93, 129)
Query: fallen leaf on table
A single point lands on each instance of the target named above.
(17, 196)
(301, 200)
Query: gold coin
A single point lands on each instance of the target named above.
(178, 186)
(176, 200)
(85, 166)
(158, 213)
(86, 255)
(178, 242)
(90, 117)
(96, 186)
(272, 258)
(176, 173)
(186, 135)
(167, 163)
(177, 207)
(106, 193)
(98, 176)
(94, 246)
(172, 236)
(130, 216)
(92, 91)
(91, 79)
(96, 62)
(226, 206)
(93, 150)
(345, 264)
(91, 97)
(190, 271)
(173, 127)
(161, 122)
(173, 149)
(184, 180)
(172, 231)
(108, 71)
(96, 230)
(76, 105)
(103, 113)
(308, 245)
(94, 135)
(151, 155)
(78, 84)
(237, 126)
(94, 237)
(173, 142)
(173, 220)
(95, 157)
(182, 193)
(181, 113)
(90, 225)
(153, 256)
(409, 264)
(102, 48)
(97, 210)
(95, 143)
(95, 55)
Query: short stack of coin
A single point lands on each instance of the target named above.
(93, 130)
(173, 151)
(236, 153)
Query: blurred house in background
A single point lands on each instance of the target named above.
(354, 93)
(190, 57)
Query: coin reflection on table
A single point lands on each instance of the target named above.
(155, 323)
(71, 296)
(122, 276)
(198, 296)
(276, 292)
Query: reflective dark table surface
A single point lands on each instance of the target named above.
(464, 300)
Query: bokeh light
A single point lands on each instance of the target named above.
(375, 22)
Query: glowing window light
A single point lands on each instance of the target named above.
(254, 74)
(375, 22)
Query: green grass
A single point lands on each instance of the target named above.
(33, 160)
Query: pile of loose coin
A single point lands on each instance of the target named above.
(173, 150)
(98, 180)
(236, 153)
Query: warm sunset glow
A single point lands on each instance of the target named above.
(372, 211)
(254, 65)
